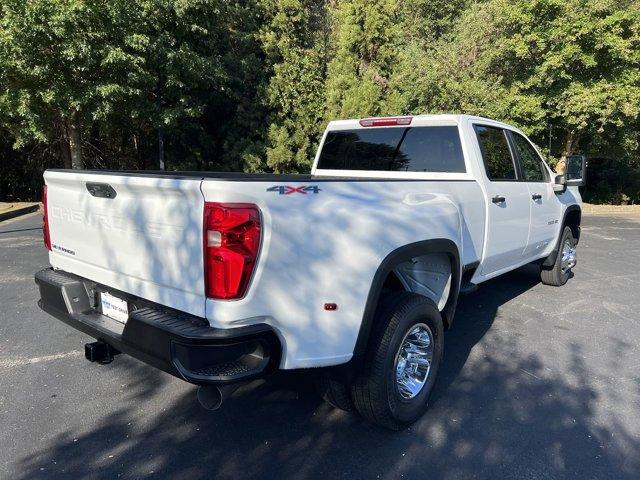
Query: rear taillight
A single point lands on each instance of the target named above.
(385, 122)
(231, 245)
(45, 219)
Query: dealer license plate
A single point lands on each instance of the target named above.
(114, 307)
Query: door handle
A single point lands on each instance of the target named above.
(498, 199)
(536, 196)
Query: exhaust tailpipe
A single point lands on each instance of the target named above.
(211, 396)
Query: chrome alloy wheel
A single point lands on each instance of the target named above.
(569, 258)
(413, 361)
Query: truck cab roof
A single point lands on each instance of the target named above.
(417, 120)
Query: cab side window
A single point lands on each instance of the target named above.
(532, 166)
(496, 153)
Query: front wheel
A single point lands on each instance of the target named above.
(401, 362)
(558, 274)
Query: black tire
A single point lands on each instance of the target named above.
(334, 392)
(375, 392)
(554, 275)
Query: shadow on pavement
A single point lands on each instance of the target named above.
(503, 416)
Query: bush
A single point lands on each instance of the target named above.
(611, 181)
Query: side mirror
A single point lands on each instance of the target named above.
(576, 170)
(559, 185)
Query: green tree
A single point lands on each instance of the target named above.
(181, 45)
(71, 65)
(60, 68)
(572, 65)
(423, 24)
(244, 107)
(248, 85)
(294, 43)
(364, 50)
(426, 21)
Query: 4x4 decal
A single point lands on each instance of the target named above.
(288, 190)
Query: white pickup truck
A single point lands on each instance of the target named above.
(353, 271)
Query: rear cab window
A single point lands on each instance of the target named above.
(434, 148)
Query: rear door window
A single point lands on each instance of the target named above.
(411, 149)
(496, 153)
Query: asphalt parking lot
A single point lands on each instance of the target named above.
(538, 382)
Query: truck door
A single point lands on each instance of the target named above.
(508, 201)
(545, 208)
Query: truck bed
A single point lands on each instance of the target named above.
(146, 240)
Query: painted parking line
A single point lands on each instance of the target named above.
(8, 363)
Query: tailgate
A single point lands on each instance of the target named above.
(139, 234)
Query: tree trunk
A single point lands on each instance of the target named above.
(570, 144)
(77, 162)
(161, 148)
(136, 149)
(64, 150)
(72, 151)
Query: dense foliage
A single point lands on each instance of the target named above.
(249, 85)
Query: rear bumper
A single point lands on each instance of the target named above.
(175, 342)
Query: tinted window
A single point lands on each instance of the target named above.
(532, 167)
(411, 149)
(495, 153)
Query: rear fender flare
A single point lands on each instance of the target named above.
(392, 260)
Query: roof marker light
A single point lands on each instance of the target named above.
(385, 122)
